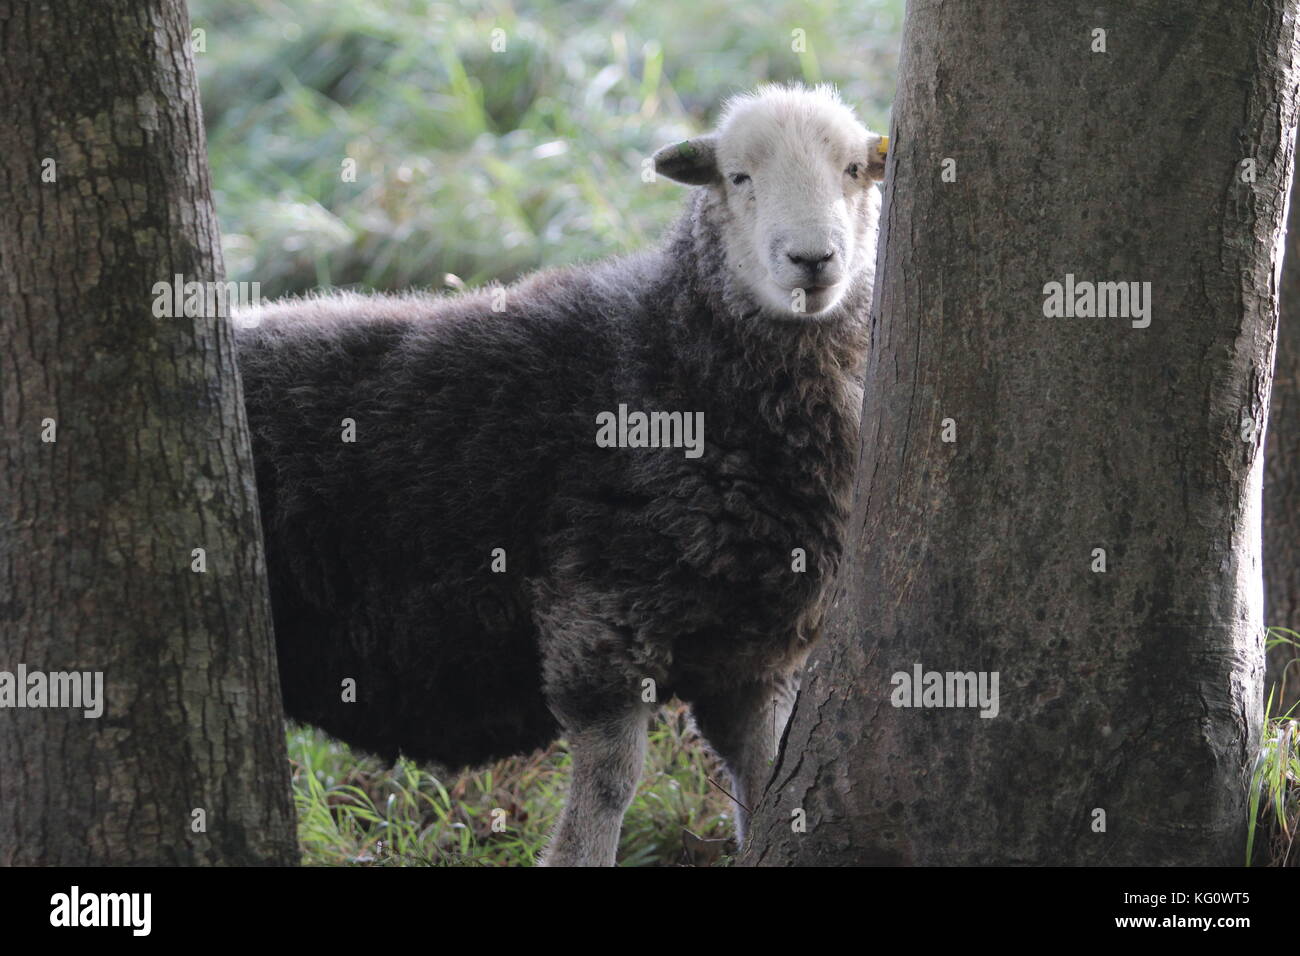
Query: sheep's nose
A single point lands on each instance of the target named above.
(811, 262)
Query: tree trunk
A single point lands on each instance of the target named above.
(1128, 698)
(149, 461)
(1282, 482)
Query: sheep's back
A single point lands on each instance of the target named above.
(380, 551)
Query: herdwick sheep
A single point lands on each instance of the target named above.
(497, 546)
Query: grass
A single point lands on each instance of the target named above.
(355, 811)
(1275, 779)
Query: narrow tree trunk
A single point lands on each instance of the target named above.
(1282, 481)
(104, 192)
(1129, 698)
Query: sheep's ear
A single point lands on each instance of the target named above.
(877, 153)
(693, 161)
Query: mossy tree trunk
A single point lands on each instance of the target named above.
(1091, 533)
(124, 450)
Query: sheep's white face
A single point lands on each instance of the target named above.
(796, 172)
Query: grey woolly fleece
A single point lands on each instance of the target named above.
(475, 430)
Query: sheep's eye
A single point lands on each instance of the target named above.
(853, 169)
(738, 179)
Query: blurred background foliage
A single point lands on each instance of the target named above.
(484, 163)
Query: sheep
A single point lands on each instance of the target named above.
(461, 571)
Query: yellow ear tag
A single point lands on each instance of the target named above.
(883, 148)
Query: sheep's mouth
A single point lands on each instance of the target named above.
(808, 288)
(816, 298)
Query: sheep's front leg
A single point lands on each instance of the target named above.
(744, 726)
(607, 757)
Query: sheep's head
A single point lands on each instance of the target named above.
(795, 172)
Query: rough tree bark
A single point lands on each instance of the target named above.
(1133, 692)
(150, 460)
(1282, 480)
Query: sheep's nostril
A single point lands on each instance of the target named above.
(811, 262)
